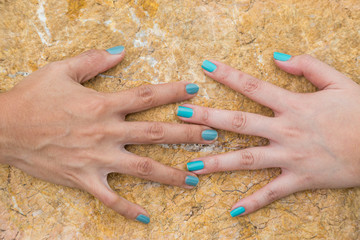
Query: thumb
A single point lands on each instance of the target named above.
(92, 62)
(111, 199)
(317, 72)
(280, 187)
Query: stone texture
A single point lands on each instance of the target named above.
(166, 41)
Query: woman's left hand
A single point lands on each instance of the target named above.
(314, 137)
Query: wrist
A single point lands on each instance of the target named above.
(4, 122)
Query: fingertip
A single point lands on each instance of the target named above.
(184, 112)
(191, 181)
(143, 218)
(237, 211)
(209, 66)
(283, 57)
(192, 89)
(117, 50)
(209, 135)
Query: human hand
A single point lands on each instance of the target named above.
(314, 137)
(55, 129)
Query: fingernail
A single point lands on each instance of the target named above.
(237, 211)
(143, 219)
(208, 66)
(209, 134)
(184, 112)
(194, 166)
(191, 180)
(115, 50)
(192, 88)
(281, 56)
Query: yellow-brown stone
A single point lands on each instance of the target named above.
(166, 41)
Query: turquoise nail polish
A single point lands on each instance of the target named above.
(209, 135)
(115, 50)
(192, 88)
(191, 180)
(184, 112)
(143, 219)
(237, 211)
(194, 166)
(208, 66)
(281, 56)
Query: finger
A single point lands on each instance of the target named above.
(149, 169)
(280, 187)
(247, 159)
(156, 132)
(90, 63)
(148, 96)
(260, 91)
(235, 121)
(319, 73)
(102, 191)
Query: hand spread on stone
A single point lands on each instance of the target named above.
(313, 137)
(55, 129)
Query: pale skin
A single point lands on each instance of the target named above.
(313, 137)
(53, 128)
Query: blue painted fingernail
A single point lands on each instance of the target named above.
(281, 56)
(143, 219)
(237, 211)
(209, 134)
(116, 50)
(194, 166)
(208, 66)
(191, 180)
(184, 112)
(192, 88)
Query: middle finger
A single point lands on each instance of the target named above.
(235, 121)
(158, 132)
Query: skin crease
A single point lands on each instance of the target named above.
(314, 137)
(53, 128)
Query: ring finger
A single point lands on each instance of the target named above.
(150, 169)
(248, 159)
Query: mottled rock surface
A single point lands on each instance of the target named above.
(166, 41)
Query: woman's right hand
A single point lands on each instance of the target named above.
(55, 129)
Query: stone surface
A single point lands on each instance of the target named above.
(166, 41)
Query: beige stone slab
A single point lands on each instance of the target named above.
(166, 41)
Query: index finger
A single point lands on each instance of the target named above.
(260, 91)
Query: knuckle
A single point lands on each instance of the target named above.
(216, 164)
(251, 85)
(146, 95)
(291, 132)
(247, 158)
(255, 205)
(93, 57)
(54, 66)
(98, 105)
(271, 195)
(205, 116)
(224, 75)
(176, 178)
(239, 121)
(156, 132)
(305, 59)
(144, 167)
(189, 134)
(306, 181)
(109, 200)
(298, 156)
